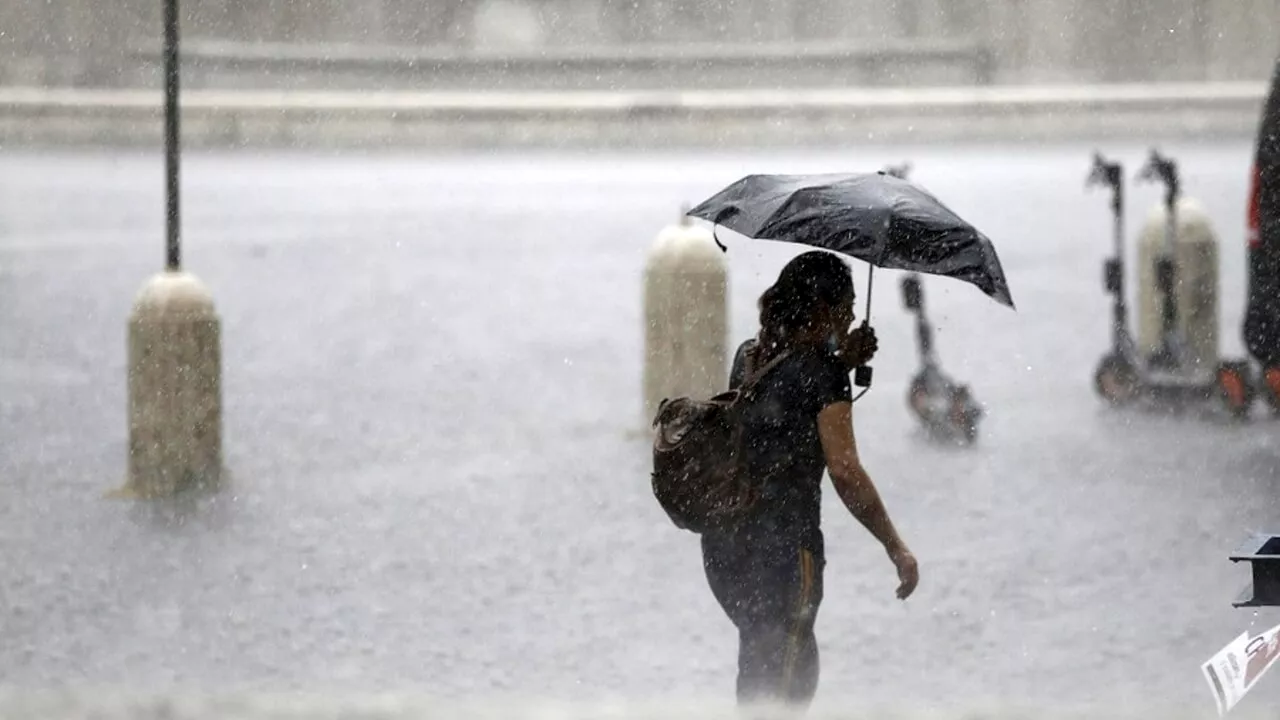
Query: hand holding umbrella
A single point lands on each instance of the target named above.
(859, 346)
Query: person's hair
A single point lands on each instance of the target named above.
(809, 284)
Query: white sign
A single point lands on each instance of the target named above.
(1234, 670)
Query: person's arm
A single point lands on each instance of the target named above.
(859, 494)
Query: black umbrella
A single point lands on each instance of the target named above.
(879, 218)
(884, 220)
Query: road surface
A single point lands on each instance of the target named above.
(432, 391)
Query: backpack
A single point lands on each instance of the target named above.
(697, 474)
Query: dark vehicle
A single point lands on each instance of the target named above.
(1262, 312)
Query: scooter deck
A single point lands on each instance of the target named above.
(1178, 386)
(1175, 380)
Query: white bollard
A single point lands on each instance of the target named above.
(175, 388)
(1196, 288)
(686, 316)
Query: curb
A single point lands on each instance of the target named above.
(264, 118)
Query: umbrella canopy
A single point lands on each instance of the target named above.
(884, 220)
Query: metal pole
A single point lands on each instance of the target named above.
(871, 273)
(173, 225)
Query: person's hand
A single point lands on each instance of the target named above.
(859, 346)
(908, 571)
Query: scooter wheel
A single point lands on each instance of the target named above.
(918, 398)
(1235, 390)
(964, 419)
(1271, 387)
(1116, 381)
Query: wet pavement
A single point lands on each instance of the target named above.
(432, 376)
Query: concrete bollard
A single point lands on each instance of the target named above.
(175, 388)
(686, 316)
(1196, 291)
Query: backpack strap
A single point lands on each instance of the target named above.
(751, 375)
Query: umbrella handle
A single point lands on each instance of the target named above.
(862, 374)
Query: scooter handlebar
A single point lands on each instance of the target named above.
(1104, 172)
(912, 297)
(898, 171)
(1162, 169)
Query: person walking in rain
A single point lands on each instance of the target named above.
(766, 573)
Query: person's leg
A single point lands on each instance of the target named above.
(803, 681)
(724, 566)
(778, 652)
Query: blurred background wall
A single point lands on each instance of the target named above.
(107, 42)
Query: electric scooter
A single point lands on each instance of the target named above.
(946, 408)
(1167, 377)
